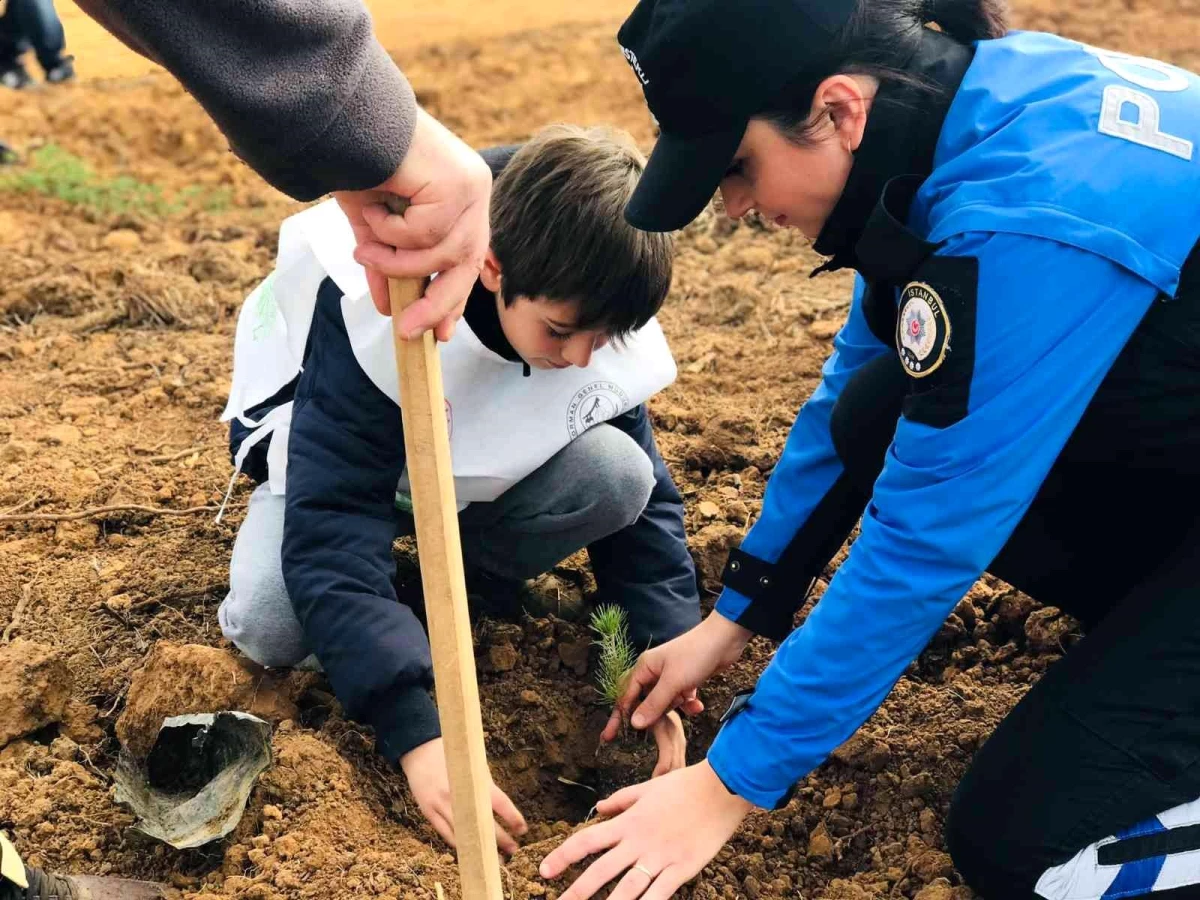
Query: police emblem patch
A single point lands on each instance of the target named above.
(922, 330)
(596, 403)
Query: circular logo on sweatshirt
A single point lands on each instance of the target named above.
(922, 330)
(597, 402)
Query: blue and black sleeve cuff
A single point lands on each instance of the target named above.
(732, 764)
(404, 718)
(756, 600)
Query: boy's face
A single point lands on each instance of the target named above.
(543, 332)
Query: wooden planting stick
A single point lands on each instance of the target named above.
(427, 446)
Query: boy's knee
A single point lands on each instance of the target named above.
(257, 613)
(259, 620)
(617, 475)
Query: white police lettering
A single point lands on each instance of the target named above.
(1153, 75)
(1146, 129)
(632, 59)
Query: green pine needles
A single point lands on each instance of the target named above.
(617, 655)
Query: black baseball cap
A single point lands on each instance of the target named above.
(706, 67)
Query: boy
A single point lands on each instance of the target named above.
(545, 380)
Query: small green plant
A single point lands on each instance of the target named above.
(54, 172)
(210, 200)
(617, 654)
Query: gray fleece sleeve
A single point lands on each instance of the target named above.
(301, 88)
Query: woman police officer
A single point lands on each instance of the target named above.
(1016, 389)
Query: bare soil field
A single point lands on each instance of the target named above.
(117, 309)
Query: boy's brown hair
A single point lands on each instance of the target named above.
(559, 230)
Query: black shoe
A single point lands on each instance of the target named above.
(15, 77)
(62, 72)
(44, 886)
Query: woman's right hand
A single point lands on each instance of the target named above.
(671, 673)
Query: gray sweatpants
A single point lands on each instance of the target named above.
(593, 487)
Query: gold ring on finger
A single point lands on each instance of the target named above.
(644, 871)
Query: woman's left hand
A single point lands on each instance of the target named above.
(667, 830)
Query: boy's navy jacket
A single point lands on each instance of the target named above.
(1060, 206)
(345, 457)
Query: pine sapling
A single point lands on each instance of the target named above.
(617, 654)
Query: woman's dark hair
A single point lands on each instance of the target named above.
(880, 39)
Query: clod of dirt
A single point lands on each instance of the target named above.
(918, 785)
(82, 406)
(1011, 611)
(820, 846)
(1046, 629)
(928, 864)
(122, 240)
(574, 655)
(841, 889)
(937, 890)
(76, 535)
(79, 723)
(35, 686)
(62, 435)
(864, 752)
(178, 680)
(15, 451)
(502, 658)
(710, 549)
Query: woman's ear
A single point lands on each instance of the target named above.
(490, 273)
(845, 100)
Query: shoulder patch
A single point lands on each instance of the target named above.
(935, 338)
(922, 330)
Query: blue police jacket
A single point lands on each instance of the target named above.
(1058, 203)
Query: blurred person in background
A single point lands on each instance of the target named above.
(32, 25)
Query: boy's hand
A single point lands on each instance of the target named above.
(425, 769)
(444, 230)
(672, 744)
